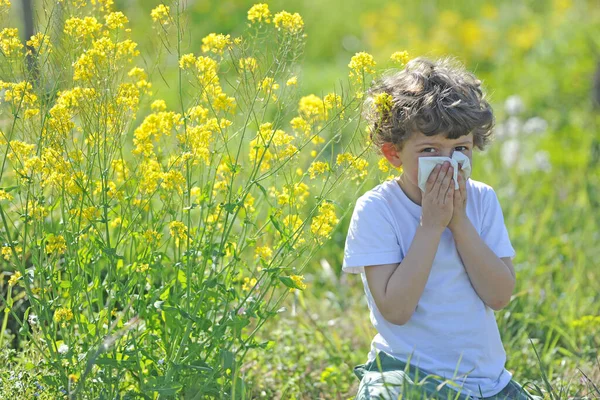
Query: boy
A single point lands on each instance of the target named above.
(435, 260)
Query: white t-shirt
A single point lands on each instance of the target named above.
(451, 323)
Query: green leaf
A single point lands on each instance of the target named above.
(287, 281)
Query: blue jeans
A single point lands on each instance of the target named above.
(394, 380)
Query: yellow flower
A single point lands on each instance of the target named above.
(400, 57)
(5, 3)
(248, 64)
(82, 28)
(161, 14)
(215, 43)
(63, 314)
(299, 281)
(318, 167)
(178, 230)
(173, 180)
(268, 87)
(383, 102)
(9, 41)
(40, 43)
(14, 278)
(264, 252)
(291, 22)
(383, 165)
(56, 244)
(73, 378)
(142, 268)
(360, 164)
(360, 64)
(116, 20)
(292, 81)
(259, 12)
(158, 105)
(312, 108)
(18, 93)
(187, 61)
(248, 283)
(324, 222)
(299, 124)
(4, 195)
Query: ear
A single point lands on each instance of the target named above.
(391, 154)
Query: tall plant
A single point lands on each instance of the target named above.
(151, 245)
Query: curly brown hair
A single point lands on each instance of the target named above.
(431, 97)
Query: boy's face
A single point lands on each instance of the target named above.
(419, 145)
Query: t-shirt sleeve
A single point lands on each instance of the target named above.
(494, 232)
(371, 239)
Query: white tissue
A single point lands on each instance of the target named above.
(427, 164)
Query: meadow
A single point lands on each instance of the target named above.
(177, 181)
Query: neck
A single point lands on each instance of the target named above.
(410, 190)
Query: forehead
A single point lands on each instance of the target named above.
(417, 138)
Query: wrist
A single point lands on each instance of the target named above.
(460, 226)
(430, 230)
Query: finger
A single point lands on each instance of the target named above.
(450, 193)
(445, 182)
(462, 182)
(432, 178)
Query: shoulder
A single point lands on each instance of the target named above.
(480, 190)
(375, 199)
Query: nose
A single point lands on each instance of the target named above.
(447, 152)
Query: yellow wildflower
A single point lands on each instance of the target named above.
(299, 124)
(63, 314)
(323, 224)
(383, 165)
(383, 102)
(9, 41)
(173, 180)
(82, 28)
(40, 43)
(264, 252)
(4, 195)
(292, 81)
(248, 64)
(268, 87)
(291, 22)
(158, 105)
(187, 61)
(317, 167)
(128, 95)
(161, 14)
(14, 278)
(142, 268)
(73, 378)
(248, 283)
(56, 244)
(360, 64)
(259, 12)
(312, 108)
(178, 230)
(116, 20)
(400, 57)
(299, 281)
(215, 43)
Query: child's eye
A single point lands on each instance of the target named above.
(426, 150)
(465, 148)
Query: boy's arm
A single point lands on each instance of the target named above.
(492, 277)
(396, 289)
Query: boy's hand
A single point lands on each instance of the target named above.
(459, 214)
(437, 201)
